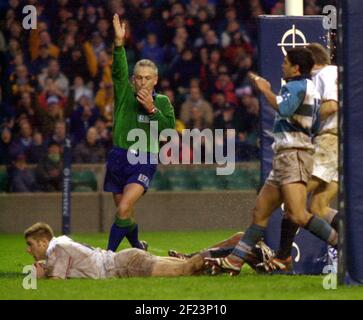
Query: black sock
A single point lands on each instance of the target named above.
(288, 232)
(133, 237)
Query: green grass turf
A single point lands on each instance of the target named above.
(247, 285)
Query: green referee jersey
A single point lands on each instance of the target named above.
(129, 113)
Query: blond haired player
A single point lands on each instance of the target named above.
(62, 258)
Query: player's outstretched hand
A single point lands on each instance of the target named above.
(259, 82)
(120, 30)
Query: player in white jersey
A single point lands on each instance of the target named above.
(324, 182)
(62, 258)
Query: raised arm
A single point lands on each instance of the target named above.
(120, 31)
(264, 87)
(119, 65)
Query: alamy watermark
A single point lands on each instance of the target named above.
(330, 20)
(30, 279)
(330, 280)
(30, 20)
(218, 146)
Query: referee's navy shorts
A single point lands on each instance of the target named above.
(120, 172)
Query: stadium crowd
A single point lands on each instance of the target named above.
(62, 70)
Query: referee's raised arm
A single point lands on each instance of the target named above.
(119, 65)
(120, 31)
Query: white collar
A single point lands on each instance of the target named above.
(55, 241)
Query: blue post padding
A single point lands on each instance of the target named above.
(66, 186)
(353, 137)
(309, 252)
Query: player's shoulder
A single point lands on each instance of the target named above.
(58, 243)
(297, 85)
(162, 97)
(327, 72)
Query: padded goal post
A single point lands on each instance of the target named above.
(350, 47)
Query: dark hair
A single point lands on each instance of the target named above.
(301, 57)
(320, 53)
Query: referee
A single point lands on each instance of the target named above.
(136, 104)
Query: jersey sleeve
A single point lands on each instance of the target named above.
(120, 76)
(291, 96)
(58, 263)
(329, 85)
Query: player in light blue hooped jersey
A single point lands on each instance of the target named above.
(323, 184)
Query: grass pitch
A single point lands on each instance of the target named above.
(247, 285)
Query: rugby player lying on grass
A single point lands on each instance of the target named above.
(61, 258)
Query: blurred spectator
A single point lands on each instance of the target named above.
(38, 149)
(104, 101)
(90, 151)
(103, 28)
(238, 48)
(22, 179)
(150, 49)
(5, 142)
(14, 62)
(41, 37)
(200, 34)
(13, 49)
(7, 112)
(104, 134)
(218, 104)
(15, 31)
(170, 94)
(92, 50)
(90, 18)
(54, 114)
(49, 171)
(179, 42)
(148, 23)
(42, 61)
(184, 68)
(196, 112)
(97, 43)
(225, 85)
(22, 144)
(59, 80)
(210, 40)
(27, 106)
(74, 64)
(209, 69)
(250, 114)
(22, 81)
(245, 64)
(59, 134)
(227, 118)
(82, 118)
(79, 89)
(104, 72)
